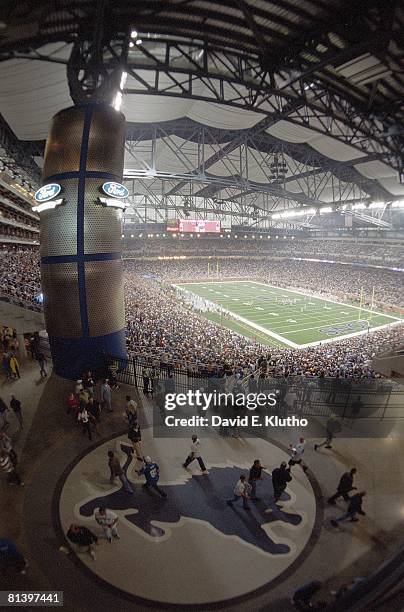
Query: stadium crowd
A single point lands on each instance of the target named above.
(161, 326)
(166, 330)
(385, 253)
(20, 274)
(332, 279)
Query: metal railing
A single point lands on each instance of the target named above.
(296, 395)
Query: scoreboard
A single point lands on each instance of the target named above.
(195, 226)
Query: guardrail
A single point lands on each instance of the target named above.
(299, 396)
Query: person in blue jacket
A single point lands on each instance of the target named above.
(10, 557)
(152, 474)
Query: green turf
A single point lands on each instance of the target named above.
(309, 320)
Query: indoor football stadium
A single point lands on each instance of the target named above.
(202, 305)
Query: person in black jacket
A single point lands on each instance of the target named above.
(344, 487)
(302, 596)
(254, 476)
(15, 406)
(280, 477)
(354, 508)
(82, 537)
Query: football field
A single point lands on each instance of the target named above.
(280, 317)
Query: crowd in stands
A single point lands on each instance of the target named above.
(159, 325)
(376, 253)
(341, 280)
(166, 330)
(20, 274)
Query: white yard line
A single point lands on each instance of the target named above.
(288, 342)
(328, 300)
(264, 330)
(361, 333)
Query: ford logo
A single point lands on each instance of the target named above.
(47, 192)
(115, 190)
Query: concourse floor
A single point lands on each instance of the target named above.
(191, 550)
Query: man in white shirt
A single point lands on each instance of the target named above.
(108, 520)
(242, 491)
(297, 454)
(84, 418)
(106, 395)
(195, 454)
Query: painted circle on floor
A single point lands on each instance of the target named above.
(191, 548)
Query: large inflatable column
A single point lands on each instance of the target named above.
(81, 263)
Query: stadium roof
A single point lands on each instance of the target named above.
(315, 85)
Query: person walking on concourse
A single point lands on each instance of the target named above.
(280, 477)
(15, 406)
(254, 477)
(195, 453)
(151, 472)
(242, 490)
(297, 454)
(333, 426)
(108, 520)
(82, 537)
(106, 395)
(354, 508)
(117, 472)
(345, 485)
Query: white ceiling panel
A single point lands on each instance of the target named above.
(392, 185)
(335, 149)
(291, 132)
(223, 117)
(375, 170)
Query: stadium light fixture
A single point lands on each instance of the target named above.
(359, 206)
(123, 236)
(295, 212)
(133, 34)
(113, 203)
(375, 205)
(123, 80)
(118, 98)
(47, 205)
(132, 235)
(236, 236)
(117, 101)
(325, 209)
(398, 204)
